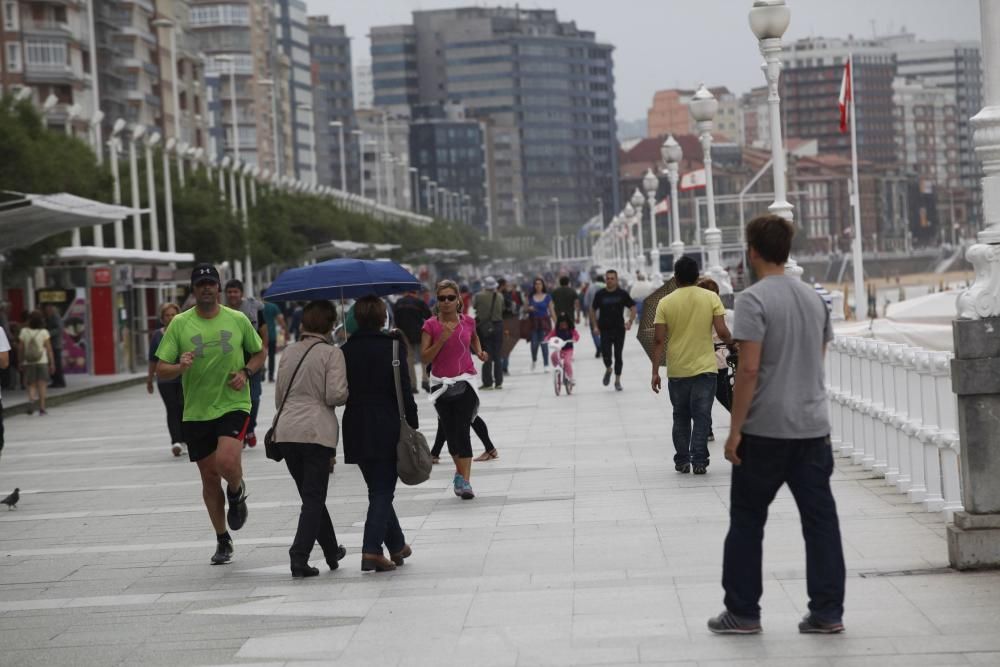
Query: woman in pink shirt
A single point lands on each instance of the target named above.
(445, 342)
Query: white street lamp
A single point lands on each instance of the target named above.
(637, 201)
(340, 143)
(650, 183)
(982, 299)
(247, 264)
(361, 159)
(116, 193)
(415, 199)
(223, 167)
(555, 202)
(93, 135)
(168, 194)
(154, 232)
(769, 19)
(72, 113)
(137, 132)
(703, 108)
(274, 123)
(181, 152)
(174, 71)
(95, 85)
(671, 154)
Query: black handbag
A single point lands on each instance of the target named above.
(271, 448)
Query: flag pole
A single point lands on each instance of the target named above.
(860, 308)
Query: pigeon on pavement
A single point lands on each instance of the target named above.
(11, 500)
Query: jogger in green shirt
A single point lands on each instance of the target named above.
(205, 346)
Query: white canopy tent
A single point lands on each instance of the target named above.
(921, 322)
(31, 218)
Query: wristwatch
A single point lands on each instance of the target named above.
(246, 370)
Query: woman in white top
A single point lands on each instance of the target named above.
(36, 361)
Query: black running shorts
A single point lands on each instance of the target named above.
(202, 438)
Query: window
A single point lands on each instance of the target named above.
(220, 15)
(10, 17)
(13, 56)
(46, 55)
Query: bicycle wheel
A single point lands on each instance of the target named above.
(557, 379)
(569, 387)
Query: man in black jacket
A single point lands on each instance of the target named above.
(410, 312)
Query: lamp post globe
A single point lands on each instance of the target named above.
(768, 20)
(650, 183)
(671, 153)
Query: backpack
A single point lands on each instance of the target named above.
(34, 350)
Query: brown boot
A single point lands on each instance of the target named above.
(401, 555)
(376, 563)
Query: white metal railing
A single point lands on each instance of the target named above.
(893, 412)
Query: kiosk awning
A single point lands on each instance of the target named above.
(35, 217)
(92, 254)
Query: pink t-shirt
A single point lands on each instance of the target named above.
(454, 358)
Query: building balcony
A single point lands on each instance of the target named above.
(148, 6)
(133, 32)
(51, 73)
(31, 27)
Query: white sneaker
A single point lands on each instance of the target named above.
(533, 364)
(176, 449)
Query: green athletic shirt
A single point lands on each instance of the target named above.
(218, 345)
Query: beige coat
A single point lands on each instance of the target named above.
(320, 386)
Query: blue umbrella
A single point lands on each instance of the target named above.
(341, 279)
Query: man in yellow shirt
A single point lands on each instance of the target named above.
(686, 317)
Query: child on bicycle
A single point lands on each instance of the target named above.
(567, 332)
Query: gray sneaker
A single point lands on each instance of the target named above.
(810, 625)
(728, 623)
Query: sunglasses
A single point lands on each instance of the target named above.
(447, 297)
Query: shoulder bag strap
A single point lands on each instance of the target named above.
(395, 375)
(493, 303)
(288, 390)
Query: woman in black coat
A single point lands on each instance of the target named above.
(371, 429)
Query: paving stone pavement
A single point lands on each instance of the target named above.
(582, 547)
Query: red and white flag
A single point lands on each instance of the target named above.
(693, 180)
(846, 95)
(662, 207)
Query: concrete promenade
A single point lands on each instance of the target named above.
(582, 547)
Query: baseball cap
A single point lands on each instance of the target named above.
(203, 272)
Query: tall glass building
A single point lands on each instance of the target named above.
(543, 89)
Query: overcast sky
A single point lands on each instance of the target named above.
(679, 43)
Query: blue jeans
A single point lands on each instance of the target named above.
(692, 399)
(537, 336)
(805, 465)
(381, 524)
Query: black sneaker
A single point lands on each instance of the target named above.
(334, 562)
(700, 469)
(223, 552)
(607, 378)
(237, 515)
(684, 468)
(810, 625)
(618, 385)
(728, 623)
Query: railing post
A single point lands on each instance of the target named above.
(879, 357)
(906, 414)
(868, 459)
(947, 437)
(857, 402)
(832, 363)
(895, 412)
(846, 398)
(929, 430)
(917, 488)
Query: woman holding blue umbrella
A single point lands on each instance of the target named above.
(445, 344)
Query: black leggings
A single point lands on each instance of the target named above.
(478, 425)
(456, 415)
(613, 340)
(173, 399)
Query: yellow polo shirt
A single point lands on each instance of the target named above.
(688, 313)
